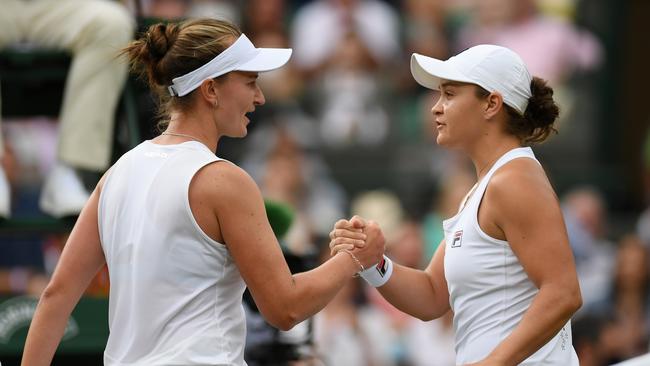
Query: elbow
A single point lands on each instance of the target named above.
(426, 317)
(432, 314)
(576, 301)
(50, 292)
(572, 301)
(283, 320)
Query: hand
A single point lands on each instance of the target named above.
(347, 235)
(373, 251)
(370, 252)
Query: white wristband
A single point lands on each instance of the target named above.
(379, 274)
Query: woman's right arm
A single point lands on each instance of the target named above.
(422, 294)
(283, 299)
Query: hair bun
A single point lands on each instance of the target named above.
(159, 39)
(542, 110)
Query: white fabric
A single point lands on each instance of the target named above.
(378, 274)
(240, 56)
(489, 291)
(176, 294)
(494, 68)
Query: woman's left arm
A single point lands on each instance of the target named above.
(524, 207)
(82, 257)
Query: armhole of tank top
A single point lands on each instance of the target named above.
(188, 208)
(100, 202)
(477, 224)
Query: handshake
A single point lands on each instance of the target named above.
(364, 241)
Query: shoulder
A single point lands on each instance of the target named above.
(224, 181)
(519, 176)
(520, 187)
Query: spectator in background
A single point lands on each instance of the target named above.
(586, 220)
(166, 9)
(343, 45)
(265, 16)
(93, 31)
(554, 49)
(229, 10)
(627, 332)
(588, 340)
(289, 171)
(551, 48)
(322, 25)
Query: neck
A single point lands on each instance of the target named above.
(487, 152)
(190, 125)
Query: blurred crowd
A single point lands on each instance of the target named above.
(346, 130)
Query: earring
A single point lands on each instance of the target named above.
(216, 103)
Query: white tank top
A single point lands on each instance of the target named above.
(175, 295)
(489, 291)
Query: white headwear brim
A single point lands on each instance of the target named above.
(429, 72)
(240, 56)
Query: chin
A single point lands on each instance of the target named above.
(441, 141)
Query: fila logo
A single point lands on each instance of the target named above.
(458, 239)
(382, 267)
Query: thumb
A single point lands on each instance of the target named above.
(358, 222)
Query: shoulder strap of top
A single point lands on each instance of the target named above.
(521, 152)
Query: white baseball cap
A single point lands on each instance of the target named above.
(494, 68)
(240, 56)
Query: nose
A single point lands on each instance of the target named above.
(437, 108)
(259, 96)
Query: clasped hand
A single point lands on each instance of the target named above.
(362, 237)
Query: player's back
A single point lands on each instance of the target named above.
(175, 293)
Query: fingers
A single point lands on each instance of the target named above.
(342, 242)
(373, 251)
(347, 224)
(348, 234)
(358, 222)
(338, 248)
(336, 233)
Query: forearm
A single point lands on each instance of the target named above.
(413, 292)
(548, 313)
(46, 329)
(308, 292)
(321, 284)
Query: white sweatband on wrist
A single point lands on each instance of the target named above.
(379, 274)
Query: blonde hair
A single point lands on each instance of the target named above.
(169, 50)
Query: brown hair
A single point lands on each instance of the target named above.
(168, 50)
(537, 122)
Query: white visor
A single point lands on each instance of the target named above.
(240, 56)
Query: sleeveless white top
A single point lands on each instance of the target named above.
(175, 294)
(489, 291)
